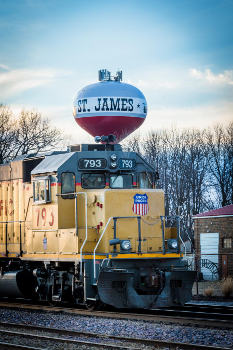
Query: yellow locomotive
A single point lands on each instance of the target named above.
(73, 228)
(88, 225)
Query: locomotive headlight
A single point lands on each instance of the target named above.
(113, 164)
(113, 157)
(125, 245)
(172, 243)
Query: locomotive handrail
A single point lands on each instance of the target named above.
(163, 233)
(84, 242)
(179, 235)
(179, 238)
(116, 218)
(97, 244)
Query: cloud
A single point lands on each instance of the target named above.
(16, 81)
(225, 78)
(155, 84)
(198, 117)
(181, 80)
(4, 67)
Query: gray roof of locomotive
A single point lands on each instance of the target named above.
(69, 161)
(52, 163)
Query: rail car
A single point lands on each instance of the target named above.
(88, 226)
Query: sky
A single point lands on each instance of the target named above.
(179, 53)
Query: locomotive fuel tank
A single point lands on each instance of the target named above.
(17, 284)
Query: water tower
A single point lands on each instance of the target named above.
(110, 107)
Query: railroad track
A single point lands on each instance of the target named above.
(205, 307)
(224, 314)
(39, 338)
(204, 316)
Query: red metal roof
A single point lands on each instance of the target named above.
(227, 210)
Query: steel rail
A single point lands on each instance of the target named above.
(193, 312)
(11, 346)
(137, 341)
(152, 316)
(67, 341)
(206, 308)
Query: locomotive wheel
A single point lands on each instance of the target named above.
(94, 305)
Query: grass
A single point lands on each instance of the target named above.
(227, 286)
(208, 292)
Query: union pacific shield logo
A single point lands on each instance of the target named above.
(140, 206)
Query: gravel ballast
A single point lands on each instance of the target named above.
(127, 328)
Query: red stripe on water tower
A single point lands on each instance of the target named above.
(120, 126)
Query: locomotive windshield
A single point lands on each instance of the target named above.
(93, 180)
(121, 181)
(145, 180)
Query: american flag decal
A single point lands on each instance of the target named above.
(140, 206)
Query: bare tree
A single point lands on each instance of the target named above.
(133, 144)
(155, 149)
(220, 160)
(35, 133)
(29, 133)
(7, 134)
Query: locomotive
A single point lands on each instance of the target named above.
(87, 225)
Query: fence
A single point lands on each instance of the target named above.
(212, 269)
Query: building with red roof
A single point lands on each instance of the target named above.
(213, 234)
(224, 211)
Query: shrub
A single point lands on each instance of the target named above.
(227, 286)
(208, 292)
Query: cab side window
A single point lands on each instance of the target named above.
(41, 190)
(67, 185)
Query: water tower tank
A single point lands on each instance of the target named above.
(110, 107)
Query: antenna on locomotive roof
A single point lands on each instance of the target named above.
(105, 139)
(105, 75)
(118, 76)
